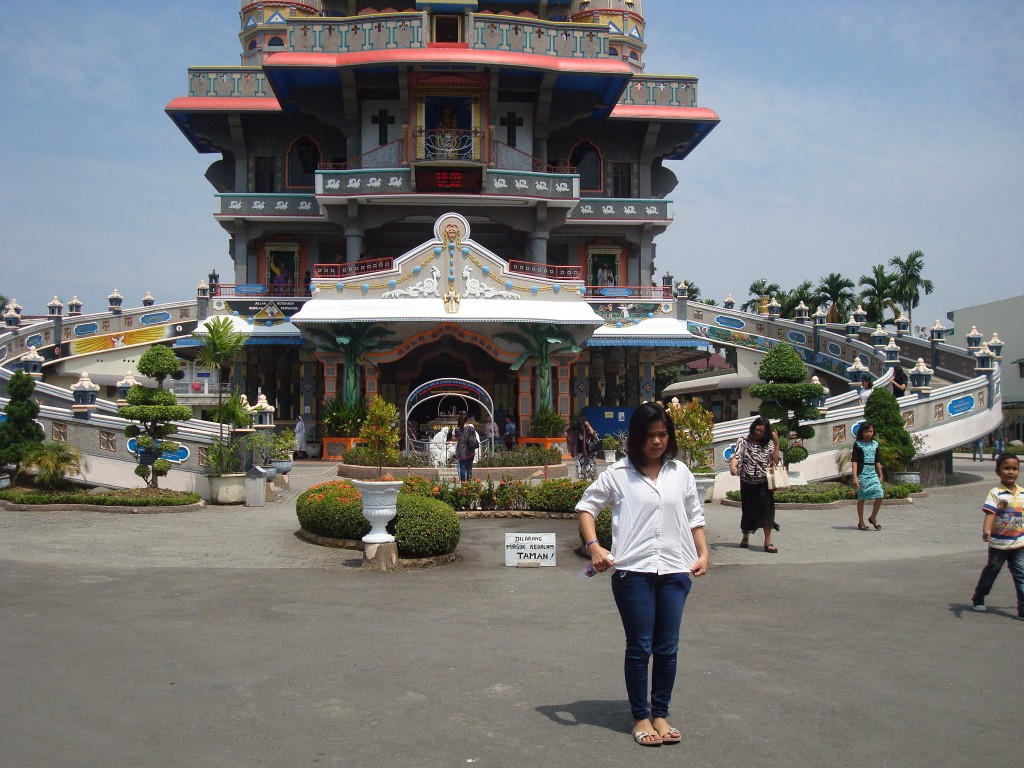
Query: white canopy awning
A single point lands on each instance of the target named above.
(432, 310)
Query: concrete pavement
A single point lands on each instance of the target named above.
(216, 638)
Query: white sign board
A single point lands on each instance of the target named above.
(530, 549)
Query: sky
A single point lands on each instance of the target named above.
(851, 133)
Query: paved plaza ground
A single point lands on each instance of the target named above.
(217, 638)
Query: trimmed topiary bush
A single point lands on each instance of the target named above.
(525, 456)
(561, 495)
(787, 399)
(124, 497)
(425, 527)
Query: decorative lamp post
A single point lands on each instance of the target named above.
(819, 317)
(11, 318)
(263, 413)
(774, 308)
(803, 313)
(730, 302)
(55, 308)
(920, 377)
(762, 305)
(148, 300)
(856, 372)
(202, 290)
(85, 393)
(32, 363)
(682, 290)
(123, 386)
(973, 340)
(937, 333)
(114, 302)
(984, 359)
(213, 279)
(860, 315)
(852, 328)
(667, 281)
(16, 307)
(902, 324)
(892, 353)
(74, 307)
(822, 408)
(995, 344)
(879, 338)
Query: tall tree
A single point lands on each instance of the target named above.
(877, 295)
(540, 344)
(835, 291)
(788, 398)
(758, 288)
(19, 433)
(693, 291)
(910, 282)
(221, 345)
(790, 300)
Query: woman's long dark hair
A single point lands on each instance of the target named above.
(760, 421)
(642, 418)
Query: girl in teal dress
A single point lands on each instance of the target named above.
(867, 475)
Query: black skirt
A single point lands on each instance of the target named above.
(758, 506)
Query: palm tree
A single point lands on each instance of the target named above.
(837, 292)
(758, 288)
(878, 295)
(53, 462)
(693, 292)
(909, 282)
(790, 300)
(540, 344)
(354, 340)
(221, 345)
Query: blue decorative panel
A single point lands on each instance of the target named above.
(728, 452)
(179, 456)
(3, 353)
(961, 405)
(250, 289)
(834, 349)
(155, 318)
(796, 337)
(856, 428)
(34, 341)
(86, 329)
(730, 322)
(616, 292)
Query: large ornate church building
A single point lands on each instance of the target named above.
(417, 190)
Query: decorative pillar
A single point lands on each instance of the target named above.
(371, 381)
(353, 244)
(537, 247)
(74, 307)
(32, 363)
(860, 315)
(114, 302)
(148, 300)
(920, 377)
(902, 324)
(330, 361)
(730, 302)
(563, 391)
(84, 392)
(524, 381)
(936, 335)
(55, 308)
(646, 370)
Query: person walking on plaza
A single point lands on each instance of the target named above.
(466, 443)
(751, 457)
(1003, 531)
(867, 475)
(998, 442)
(510, 433)
(978, 450)
(658, 548)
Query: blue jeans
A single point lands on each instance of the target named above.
(996, 558)
(465, 470)
(651, 608)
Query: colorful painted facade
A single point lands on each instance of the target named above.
(447, 188)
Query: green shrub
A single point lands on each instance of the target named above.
(126, 497)
(467, 494)
(489, 495)
(547, 423)
(525, 456)
(332, 509)
(561, 495)
(419, 486)
(825, 493)
(512, 495)
(425, 527)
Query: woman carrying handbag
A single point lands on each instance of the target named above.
(752, 458)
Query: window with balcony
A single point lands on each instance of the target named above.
(447, 29)
(303, 159)
(587, 162)
(263, 174)
(620, 179)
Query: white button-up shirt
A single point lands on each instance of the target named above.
(652, 522)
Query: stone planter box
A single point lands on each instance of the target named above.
(335, 447)
(227, 489)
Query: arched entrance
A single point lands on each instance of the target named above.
(447, 389)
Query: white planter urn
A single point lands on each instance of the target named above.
(380, 498)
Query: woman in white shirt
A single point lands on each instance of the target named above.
(658, 544)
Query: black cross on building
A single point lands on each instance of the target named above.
(510, 121)
(382, 120)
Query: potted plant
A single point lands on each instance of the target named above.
(260, 442)
(227, 482)
(342, 422)
(694, 428)
(609, 445)
(282, 448)
(547, 429)
(380, 437)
